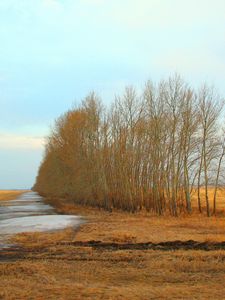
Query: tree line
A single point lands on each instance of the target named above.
(147, 151)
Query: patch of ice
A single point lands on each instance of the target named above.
(38, 223)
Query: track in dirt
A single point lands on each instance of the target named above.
(20, 253)
(163, 246)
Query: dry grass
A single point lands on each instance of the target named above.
(51, 270)
(90, 274)
(143, 227)
(10, 195)
(220, 198)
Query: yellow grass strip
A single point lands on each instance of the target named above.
(10, 194)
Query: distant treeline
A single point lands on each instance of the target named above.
(147, 151)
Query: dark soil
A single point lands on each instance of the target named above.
(20, 253)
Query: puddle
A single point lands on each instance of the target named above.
(38, 223)
(29, 213)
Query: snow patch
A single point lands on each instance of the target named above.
(38, 223)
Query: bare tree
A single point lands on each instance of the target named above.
(145, 152)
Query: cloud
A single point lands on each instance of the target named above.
(13, 141)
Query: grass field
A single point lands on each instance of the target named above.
(10, 195)
(53, 266)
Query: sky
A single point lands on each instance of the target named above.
(54, 52)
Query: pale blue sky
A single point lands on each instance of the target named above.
(53, 52)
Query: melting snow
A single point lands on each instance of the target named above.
(38, 223)
(28, 213)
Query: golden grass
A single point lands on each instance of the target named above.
(220, 198)
(51, 270)
(85, 273)
(143, 227)
(10, 195)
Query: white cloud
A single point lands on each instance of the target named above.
(13, 141)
